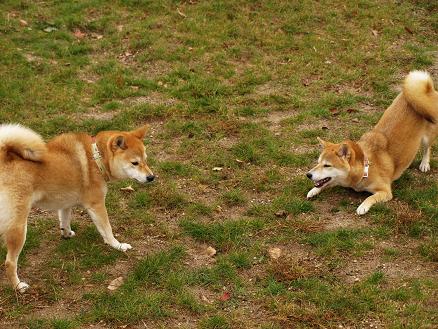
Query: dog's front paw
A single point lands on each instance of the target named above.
(22, 287)
(424, 166)
(67, 235)
(124, 247)
(313, 192)
(362, 209)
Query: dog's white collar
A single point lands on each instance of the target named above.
(366, 167)
(98, 159)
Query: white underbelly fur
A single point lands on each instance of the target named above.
(55, 201)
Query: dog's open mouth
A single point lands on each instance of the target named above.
(322, 182)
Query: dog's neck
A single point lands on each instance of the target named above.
(359, 164)
(98, 150)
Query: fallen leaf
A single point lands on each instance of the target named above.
(240, 161)
(324, 128)
(30, 57)
(211, 251)
(180, 13)
(274, 253)
(305, 82)
(351, 110)
(49, 29)
(96, 36)
(217, 168)
(356, 120)
(127, 189)
(115, 284)
(375, 33)
(205, 299)
(225, 296)
(281, 213)
(78, 34)
(334, 111)
(23, 22)
(409, 30)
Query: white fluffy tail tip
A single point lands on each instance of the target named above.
(418, 76)
(24, 141)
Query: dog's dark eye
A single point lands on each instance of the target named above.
(327, 166)
(135, 163)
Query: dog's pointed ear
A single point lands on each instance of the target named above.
(322, 142)
(344, 151)
(140, 133)
(118, 143)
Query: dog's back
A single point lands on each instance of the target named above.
(50, 175)
(406, 121)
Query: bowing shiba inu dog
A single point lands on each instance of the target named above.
(383, 154)
(69, 170)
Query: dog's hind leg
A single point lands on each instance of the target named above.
(64, 223)
(15, 236)
(425, 162)
(99, 216)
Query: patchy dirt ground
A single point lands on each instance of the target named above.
(235, 94)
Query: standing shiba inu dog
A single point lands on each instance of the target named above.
(381, 155)
(71, 169)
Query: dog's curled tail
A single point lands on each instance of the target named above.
(420, 93)
(21, 141)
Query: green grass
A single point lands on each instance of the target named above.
(242, 85)
(215, 322)
(223, 235)
(233, 198)
(343, 240)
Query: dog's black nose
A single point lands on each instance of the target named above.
(309, 175)
(150, 178)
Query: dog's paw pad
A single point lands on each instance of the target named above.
(124, 247)
(22, 287)
(362, 209)
(424, 167)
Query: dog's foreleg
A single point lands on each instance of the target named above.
(15, 237)
(99, 216)
(313, 192)
(380, 196)
(425, 162)
(64, 223)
